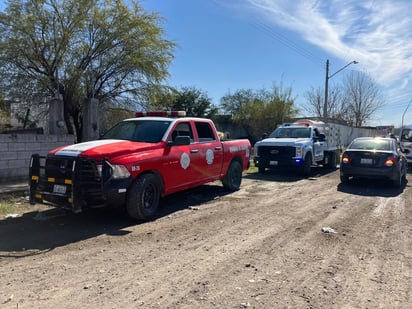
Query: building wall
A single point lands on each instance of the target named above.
(16, 151)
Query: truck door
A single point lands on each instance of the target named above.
(318, 144)
(178, 162)
(406, 142)
(210, 156)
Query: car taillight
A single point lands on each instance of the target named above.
(390, 161)
(345, 158)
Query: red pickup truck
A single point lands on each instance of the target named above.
(137, 162)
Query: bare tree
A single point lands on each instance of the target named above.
(315, 102)
(362, 98)
(354, 102)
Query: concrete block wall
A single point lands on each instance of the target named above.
(16, 151)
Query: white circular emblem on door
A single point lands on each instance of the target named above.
(209, 156)
(185, 160)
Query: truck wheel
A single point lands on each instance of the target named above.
(233, 177)
(143, 197)
(333, 159)
(307, 164)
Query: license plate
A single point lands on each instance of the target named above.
(365, 161)
(60, 189)
(273, 163)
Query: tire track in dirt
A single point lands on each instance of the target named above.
(260, 247)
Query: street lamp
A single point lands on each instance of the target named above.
(325, 106)
(403, 115)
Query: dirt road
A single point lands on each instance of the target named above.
(260, 247)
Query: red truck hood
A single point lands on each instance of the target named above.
(100, 149)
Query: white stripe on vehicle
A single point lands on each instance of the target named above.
(75, 149)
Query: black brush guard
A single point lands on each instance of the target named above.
(69, 182)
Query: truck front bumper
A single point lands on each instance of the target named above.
(74, 183)
(278, 163)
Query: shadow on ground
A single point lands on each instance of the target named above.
(290, 175)
(371, 187)
(41, 231)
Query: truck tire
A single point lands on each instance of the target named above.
(333, 160)
(307, 163)
(233, 177)
(143, 197)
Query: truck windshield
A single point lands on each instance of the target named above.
(288, 132)
(148, 131)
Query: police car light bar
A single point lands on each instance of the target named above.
(161, 114)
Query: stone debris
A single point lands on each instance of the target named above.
(328, 230)
(11, 216)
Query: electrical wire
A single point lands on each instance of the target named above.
(264, 28)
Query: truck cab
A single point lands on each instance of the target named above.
(296, 145)
(137, 162)
(405, 141)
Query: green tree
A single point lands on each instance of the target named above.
(231, 104)
(259, 112)
(80, 49)
(161, 98)
(195, 102)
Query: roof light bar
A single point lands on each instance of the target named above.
(161, 114)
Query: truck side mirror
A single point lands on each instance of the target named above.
(322, 137)
(180, 140)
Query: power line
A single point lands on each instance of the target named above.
(264, 28)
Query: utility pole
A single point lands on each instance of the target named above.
(325, 105)
(327, 77)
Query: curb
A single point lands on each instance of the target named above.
(13, 187)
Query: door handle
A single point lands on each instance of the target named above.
(194, 151)
(218, 148)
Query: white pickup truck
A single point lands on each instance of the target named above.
(299, 145)
(405, 139)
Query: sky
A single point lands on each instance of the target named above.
(227, 45)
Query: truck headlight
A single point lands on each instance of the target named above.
(256, 151)
(118, 171)
(299, 152)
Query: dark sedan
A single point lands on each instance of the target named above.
(375, 158)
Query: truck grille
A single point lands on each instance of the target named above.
(280, 152)
(59, 168)
(63, 167)
(66, 181)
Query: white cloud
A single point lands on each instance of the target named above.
(376, 33)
